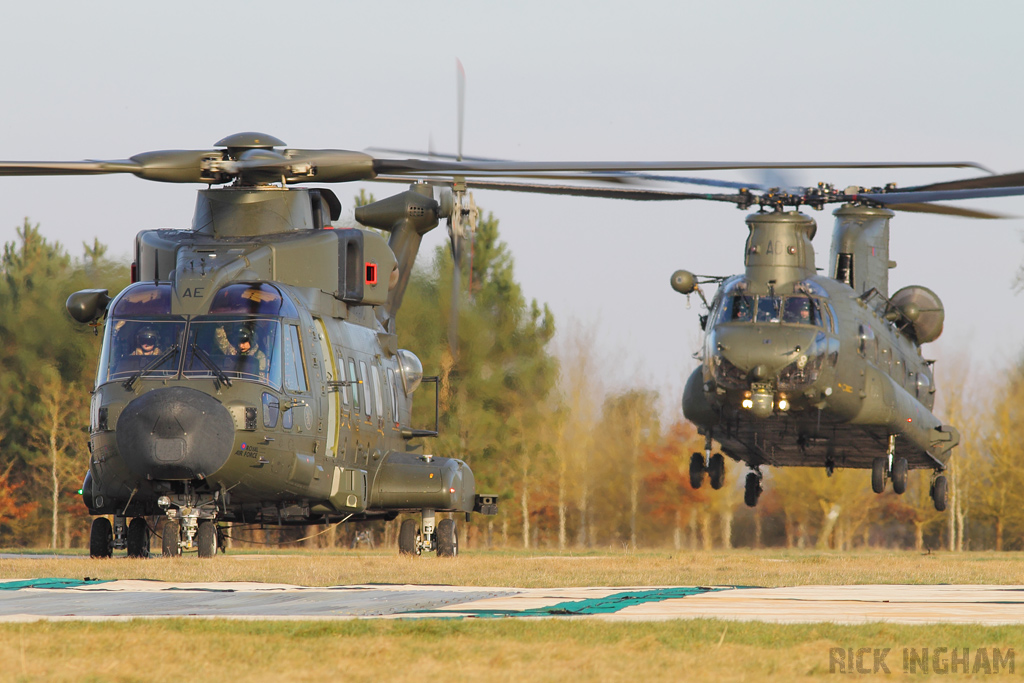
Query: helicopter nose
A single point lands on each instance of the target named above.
(761, 353)
(175, 433)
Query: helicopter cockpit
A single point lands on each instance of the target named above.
(804, 307)
(239, 338)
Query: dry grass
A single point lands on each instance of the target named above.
(536, 570)
(501, 650)
(506, 650)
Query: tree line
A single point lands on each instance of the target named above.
(576, 465)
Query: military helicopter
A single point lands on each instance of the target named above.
(824, 370)
(251, 370)
(803, 369)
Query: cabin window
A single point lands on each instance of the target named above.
(343, 387)
(365, 378)
(377, 392)
(867, 346)
(394, 395)
(294, 371)
(844, 269)
(924, 384)
(357, 388)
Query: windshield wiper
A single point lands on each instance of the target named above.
(204, 357)
(152, 365)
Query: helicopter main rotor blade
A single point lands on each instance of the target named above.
(460, 87)
(947, 211)
(575, 191)
(1001, 180)
(905, 196)
(529, 168)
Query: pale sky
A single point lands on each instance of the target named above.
(750, 80)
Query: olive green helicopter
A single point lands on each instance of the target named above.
(803, 368)
(251, 371)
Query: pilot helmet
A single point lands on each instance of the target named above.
(147, 336)
(244, 336)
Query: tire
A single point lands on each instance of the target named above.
(407, 538)
(716, 471)
(878, 475)
(138, 538)
(696, 470)
(206, 538)
(899, 475)
(171, 535)
(101, 538)
(752, 490)
(447, 538)
(939, 493)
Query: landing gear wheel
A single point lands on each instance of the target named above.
(407, 538)
(752, 490)
(900, 468)
(101, 538)
(447, 538)
(138, 538)
(206, 538)
(878, 475)
(716, 471)
(939, 492)
(170, 539)
(696, 470)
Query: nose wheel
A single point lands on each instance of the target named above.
(713, 465)
(443, 539)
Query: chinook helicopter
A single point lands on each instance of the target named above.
(251, 373)
(800, 368)
(804, 369)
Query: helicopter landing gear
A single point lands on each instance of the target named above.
(447, 538)
(101, 538)
(696, 470)
(939, 492)
(190, 514)
(879, 467)
(408, 538)
(716, 471)
(442, 539)
(170, 539)
(900, 470)
(138, 538)
(206, 538)
(752, 489)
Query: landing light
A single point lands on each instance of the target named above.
(783, 404)
(163, 501)
(748, 404)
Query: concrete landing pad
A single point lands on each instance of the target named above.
(68, 599)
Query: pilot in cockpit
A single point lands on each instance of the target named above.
(146, 343)
(245, 344)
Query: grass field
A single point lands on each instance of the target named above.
(503, 650)
(540, 570)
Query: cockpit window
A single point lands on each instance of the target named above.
(256, 299)
(768, 309)
(237, 346)
(143, 299)
(798, 310)
(802, 310)
(137, 344)
(739, 308)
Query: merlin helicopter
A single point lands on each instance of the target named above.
(251, 371)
